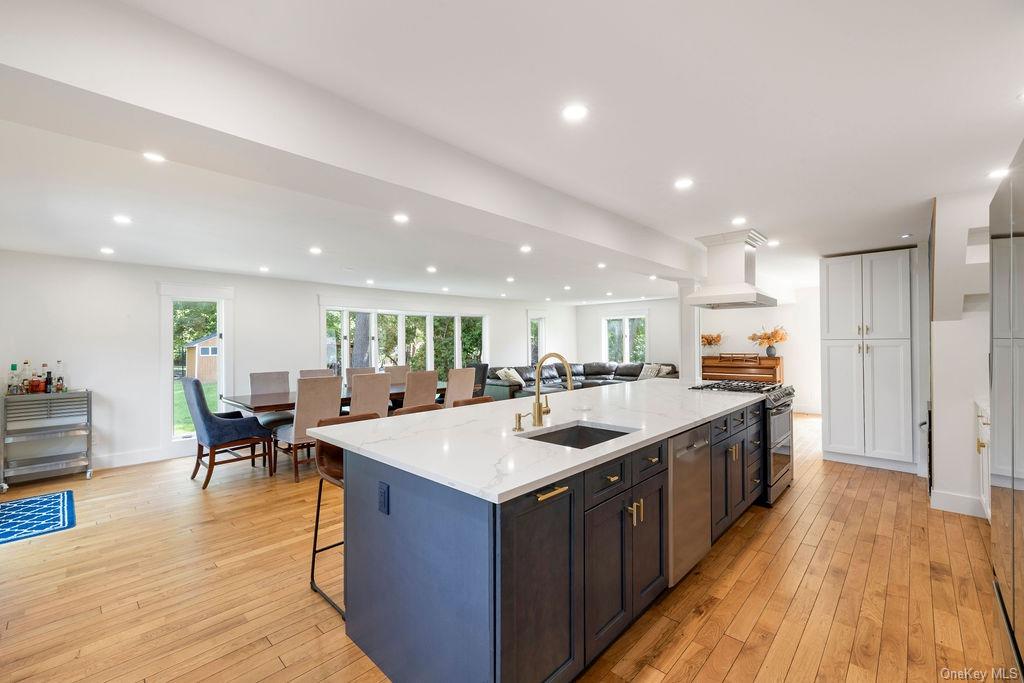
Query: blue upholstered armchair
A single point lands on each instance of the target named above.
(222, 432)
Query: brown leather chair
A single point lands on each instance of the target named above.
(472, 401)
(417, 409)
(330, 465)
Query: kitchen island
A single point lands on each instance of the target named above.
(477, 553)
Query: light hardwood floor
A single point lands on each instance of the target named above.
(851, 576)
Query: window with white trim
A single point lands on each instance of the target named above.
(625, 339)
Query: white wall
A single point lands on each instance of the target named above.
(801, 354)
(959, 375)
(662, 328)
(103, 320)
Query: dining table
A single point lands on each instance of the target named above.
(285, 400)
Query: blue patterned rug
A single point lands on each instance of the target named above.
(36, 516)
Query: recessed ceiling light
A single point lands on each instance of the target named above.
(575, 112)
(431, 269)
(683, 183)
(369, 282)
(602, 265)
(155, 157)
(607, 293)
(584, 303)
(510, 279)
(999, 173)
(526, 248)
(503, 293)
(264, 269)
(772, 243)
(739, 220)
(400, 218)
(122, 219)
(316, 251)
(906, 236)
(106, 251)
(567, 288)
(444, 289)
(652, 277)
(547, 298)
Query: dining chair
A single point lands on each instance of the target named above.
(460, 385)
(222, 432)
(420, 388)
(316, 372)
(476, 400)
(480, 380)
(330, 465)
(271, 383)
(397, 372)
(370, 394)
(318, 398)
(426, 407)
(351, 372)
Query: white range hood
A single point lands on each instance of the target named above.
(732, 265)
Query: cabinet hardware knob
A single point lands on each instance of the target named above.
(721, 428)
(653, 459)
(867, 348)
(867, 329)
(858, 348)
(980, 445)
(755, 444)
(612, 478)
(557, 491)
(859, 330)
(756, 482)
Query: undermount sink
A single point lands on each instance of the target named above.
(578, 435)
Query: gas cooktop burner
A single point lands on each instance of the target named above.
(775, 394)
(738, 385)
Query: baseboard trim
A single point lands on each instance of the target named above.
(878, 463)
(124, 459)
(957, 502)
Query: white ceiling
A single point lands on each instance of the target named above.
(829, 125)
(58, 194)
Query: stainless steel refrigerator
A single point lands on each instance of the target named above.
(1006, 450)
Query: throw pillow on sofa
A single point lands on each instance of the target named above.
(510, 375)
(649, 370)
(666, 370)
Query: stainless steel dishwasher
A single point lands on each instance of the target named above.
(689, 500)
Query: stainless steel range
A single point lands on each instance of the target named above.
(779, 425)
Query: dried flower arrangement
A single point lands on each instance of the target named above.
(766, 338)
(711, 339)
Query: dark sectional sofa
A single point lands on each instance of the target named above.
(553, 378)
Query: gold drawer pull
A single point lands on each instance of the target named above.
(557, 491)
(631, 509)
(612, 478)
(654, 460)
(641, 509)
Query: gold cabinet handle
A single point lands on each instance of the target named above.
(858, 348)
(612, 478)
(980, 446)
(859, 330)
(631, 509)
(867, 329)
(867, 348)
(654, 460)
(557, 491)
(641, 510)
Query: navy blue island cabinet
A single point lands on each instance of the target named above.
(441, 585)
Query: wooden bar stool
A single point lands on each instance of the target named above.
(330, 465)
(417, 409)
(477, 400)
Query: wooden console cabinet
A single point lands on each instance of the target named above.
(742, 366)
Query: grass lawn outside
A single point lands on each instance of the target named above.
(182, 420)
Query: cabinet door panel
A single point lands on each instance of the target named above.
(608, 592)
(541, 575)
(650, 559)
(887, 295)
(999, 280)
(719, 488)
(1001, 449)
(737, 486)
(841, 297)
(888, 417)
(842, 396)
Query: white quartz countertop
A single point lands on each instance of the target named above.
(474, 450)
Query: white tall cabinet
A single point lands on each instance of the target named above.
(866, 356)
